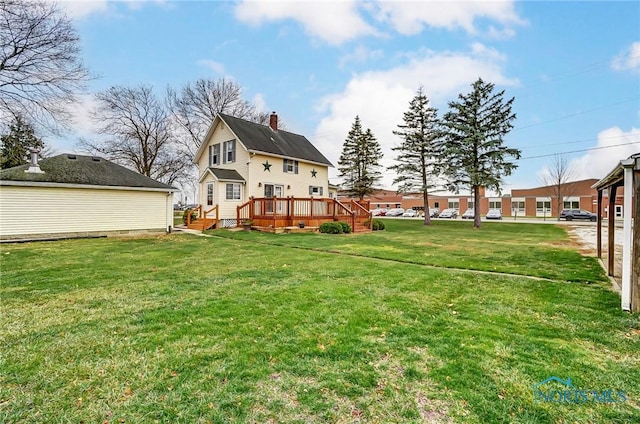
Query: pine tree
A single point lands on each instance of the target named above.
(475, 154)
(419, 150)
(17, 144)
(359, 162)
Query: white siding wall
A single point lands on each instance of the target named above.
(50, 210)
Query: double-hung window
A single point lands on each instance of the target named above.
(214, 154)
(290, 166)
(229, 151)
(233, 191)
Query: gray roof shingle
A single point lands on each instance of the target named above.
(81, 170)
(226, 174)
(262, 138)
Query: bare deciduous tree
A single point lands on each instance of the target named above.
(41, 71)
(138, 133)
(558, 178)
(196, 104)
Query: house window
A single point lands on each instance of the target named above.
(229, 151)
(454, 204)
(290, 166)
(470, 204)
(214, 154)
(315, 191)
(495, 204)
(209, 194)
(233, 191)
(435, 205)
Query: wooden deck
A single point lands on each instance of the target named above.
(277, 214)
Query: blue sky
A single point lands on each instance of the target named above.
(573, 67)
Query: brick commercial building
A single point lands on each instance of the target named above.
(531, 202)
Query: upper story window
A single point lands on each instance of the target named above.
(290, 166)
(229, 151)
(214, 154)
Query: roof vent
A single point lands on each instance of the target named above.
(72, 157)
(95, 159)
(34, 167)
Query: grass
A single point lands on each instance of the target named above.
(269, 328)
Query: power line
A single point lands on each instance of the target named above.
(581, 150)
(577, 113)
(574, 141)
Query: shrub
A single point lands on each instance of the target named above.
(185, 214)
(331, 228)
(346, 228)
(377, 225)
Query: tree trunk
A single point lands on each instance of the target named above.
(476, 206)
(425, 199)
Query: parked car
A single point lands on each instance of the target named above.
(395, 212)
(378, 212)
(494, 214)
(410, 213)
(448, 213)
(571, 214)
(434, 213)
(468, 214)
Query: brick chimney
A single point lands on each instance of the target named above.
(273, 121)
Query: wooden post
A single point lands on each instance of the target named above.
(611, 228)
(599, 225)
(635, 249)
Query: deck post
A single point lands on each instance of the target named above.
(599, 225)
(611, 228)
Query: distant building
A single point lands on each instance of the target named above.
(531, 202)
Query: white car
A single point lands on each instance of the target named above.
(410, 213)
(395, 212)
(494, 214)
(469, 214)
(448, 213)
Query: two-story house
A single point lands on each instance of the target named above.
(239, 159)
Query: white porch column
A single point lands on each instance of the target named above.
(626, 234)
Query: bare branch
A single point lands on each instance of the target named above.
(41, 71)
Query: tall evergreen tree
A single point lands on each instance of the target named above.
(419, 150)
(474, 130)
(359, 162)
(18, 143)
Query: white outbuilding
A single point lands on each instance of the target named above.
(80, 196)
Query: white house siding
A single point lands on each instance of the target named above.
(295, 185)
(54, 210)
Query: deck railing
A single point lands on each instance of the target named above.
(290, 211)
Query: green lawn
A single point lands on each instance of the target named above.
(385, 327)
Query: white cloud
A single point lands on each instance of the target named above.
(361, 54)
(629, 59)
(259, 102)
(410, 17)
(78, 9)
(334, 22)
(381, 97)
(613, 146)
(216, 67)
(81, 127)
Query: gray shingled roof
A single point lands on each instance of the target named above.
(262, 138)
(82, 170)
(226, 174)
